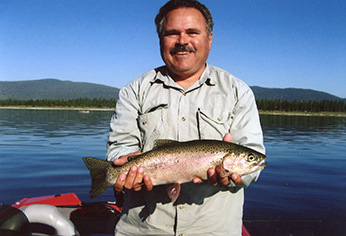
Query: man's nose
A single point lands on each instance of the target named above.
(183, 39)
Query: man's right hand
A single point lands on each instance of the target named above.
(134, 179)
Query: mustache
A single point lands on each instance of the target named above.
(181, 48)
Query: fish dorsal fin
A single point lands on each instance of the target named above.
(158, 143)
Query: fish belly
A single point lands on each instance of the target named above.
(181, 169)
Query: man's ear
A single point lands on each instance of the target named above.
(210, 38)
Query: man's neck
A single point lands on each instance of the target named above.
(185, 81)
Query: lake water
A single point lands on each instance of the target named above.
(302, 191)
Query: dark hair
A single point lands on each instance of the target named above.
(175, 4)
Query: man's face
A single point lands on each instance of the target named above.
(184, 42)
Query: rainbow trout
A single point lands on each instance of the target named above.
(178, 162)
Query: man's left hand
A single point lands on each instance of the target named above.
(214, 174)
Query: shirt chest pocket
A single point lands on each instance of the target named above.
(151, 125)
(213, 122)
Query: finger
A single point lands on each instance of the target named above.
(197, 180)
(123, 159)
(120, 182)
(212, 176)
(120, 161)
(147, 182)
(236, 178)
(137, 183)
(227, 137)
(131, 176)
(132, 154)
(224, 180)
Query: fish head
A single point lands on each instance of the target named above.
(242, 163)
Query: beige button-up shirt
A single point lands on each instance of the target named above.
(154, 107)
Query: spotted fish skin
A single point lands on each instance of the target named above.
(178, 162)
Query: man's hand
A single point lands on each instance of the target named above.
(134, 179)
(214, 174)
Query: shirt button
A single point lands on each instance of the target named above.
(144, 122)
(183, 118)
(181, 207)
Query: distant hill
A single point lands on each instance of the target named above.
(54, 89)
(57, 89)
(291, 94)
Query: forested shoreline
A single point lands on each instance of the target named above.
(301, 106)
(263, 105)
(69, 103)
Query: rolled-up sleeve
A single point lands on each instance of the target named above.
(124, 135)
(246, 128)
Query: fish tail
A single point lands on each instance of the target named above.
(99, 171)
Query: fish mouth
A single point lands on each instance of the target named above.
(263, 164)
(259, 165)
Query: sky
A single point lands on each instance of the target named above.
(267, 43)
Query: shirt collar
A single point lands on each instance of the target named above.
(163, 77)
(206, 76)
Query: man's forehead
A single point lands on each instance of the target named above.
(189, 18)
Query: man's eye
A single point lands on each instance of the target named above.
(171, 33)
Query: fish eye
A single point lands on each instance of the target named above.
(251, 157)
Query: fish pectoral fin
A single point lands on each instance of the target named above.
(224, 172)
(174, 191)
(227, 165)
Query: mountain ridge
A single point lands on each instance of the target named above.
(291, 94)
(55, 89)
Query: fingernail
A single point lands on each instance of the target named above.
(122, 177)
(134, 168)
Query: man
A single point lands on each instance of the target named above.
(184, 100)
